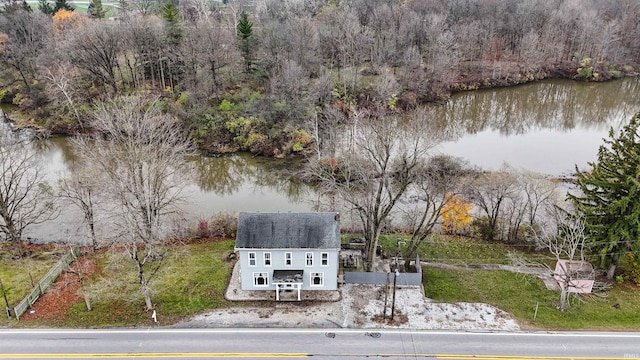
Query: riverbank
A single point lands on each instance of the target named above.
(472, 76)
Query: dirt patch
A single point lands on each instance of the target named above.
(57, 300)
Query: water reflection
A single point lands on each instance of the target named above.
(559, 104)
(241, 182)
(547, 127)
(222, 175)
(225, 175)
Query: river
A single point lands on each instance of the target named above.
(547, 127)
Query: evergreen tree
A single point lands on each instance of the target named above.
(62, 4)
(173, 30)
(610, 196)
(45, 7)
(96, 10)
(245, 34)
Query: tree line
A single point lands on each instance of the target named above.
(270, 76)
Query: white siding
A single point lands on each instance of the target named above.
(330, 270)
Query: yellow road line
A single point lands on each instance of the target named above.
(154, 355)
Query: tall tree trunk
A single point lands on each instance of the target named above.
(371, 241)
(144, 286)
(563, 298)
(611, 271)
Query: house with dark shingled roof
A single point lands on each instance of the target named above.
(289, 252)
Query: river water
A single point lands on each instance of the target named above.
(547, 127)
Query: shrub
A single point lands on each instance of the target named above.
(299, 139)
(585, 72)
(224, 225)
(258, 143)
(480, 227)
(226, 105)
(203, 229)
(238, 126)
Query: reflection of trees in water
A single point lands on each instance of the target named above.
(225, 175)
(44, 147)
(279, 176)
(558, 105)
(222, 175)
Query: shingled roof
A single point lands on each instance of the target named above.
(319, 230)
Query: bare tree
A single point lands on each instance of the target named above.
(375, 174)
(291, 86)
(60, 77)
(233, 10)
(95, 48)
(141, 154)
(80, 187)
(208, 45)
(540, 193)
(27, 37)
(25, 198)
(568, 242)
(489, 192)
(436, 181)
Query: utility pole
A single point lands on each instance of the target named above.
(393, 302)
(386, 295)
(4, 294)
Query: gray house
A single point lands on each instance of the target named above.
(288, 251)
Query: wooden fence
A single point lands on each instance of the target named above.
(45, 282)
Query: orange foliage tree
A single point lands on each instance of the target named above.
(64, 20)
(455, 213)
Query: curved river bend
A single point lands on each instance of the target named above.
(546, 127)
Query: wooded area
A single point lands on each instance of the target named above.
(272, 76)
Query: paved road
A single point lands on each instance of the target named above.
(319, 344)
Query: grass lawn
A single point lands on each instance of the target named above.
(518, 294)
(18, 275)
(192, 279)
(458, 250)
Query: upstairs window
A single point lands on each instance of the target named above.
(288, 259)
(309, 258)
(325, 259)
(252, 259)
(267, 259)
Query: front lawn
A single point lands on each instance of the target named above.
(519, 294)
(19, 276)
(192, 279)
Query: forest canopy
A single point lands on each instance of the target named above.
(274, 76)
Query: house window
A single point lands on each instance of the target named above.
(260, 279)
(309, 257)
(325, 259)
(317, 279)
(267, 259)
(252, 259)
(288, 259)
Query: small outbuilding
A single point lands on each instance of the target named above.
(575, 276)
(288, 251)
